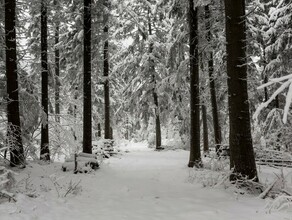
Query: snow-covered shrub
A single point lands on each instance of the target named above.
(151, 140)
(25, 186)
(73, 188)
(7, 181)
(210, 178)
(62, 139)
(280, 191)
(277, 124)
(277, 135)
(248, 185)
(273, 138)
(215, 173)
(281, 202)
(65, 189)
(215, 164)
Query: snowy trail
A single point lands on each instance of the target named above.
(138, 185)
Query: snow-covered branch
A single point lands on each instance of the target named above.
(287, 84)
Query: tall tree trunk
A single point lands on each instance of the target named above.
(216, 124)
(98, 130)
(241, 149)
(195, 153)
(57, 69)
(45, 152)
(127, 128)
(157, 118)
(75, 112)
(107, 127)
(13, 128)
(154, 92)
(87, 123)
(205, 129)
(266, 89)
(264, 74)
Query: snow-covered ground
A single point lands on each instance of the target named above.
(141, 184)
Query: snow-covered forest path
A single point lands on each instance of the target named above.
(141, 184)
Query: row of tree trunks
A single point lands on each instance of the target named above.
(216, 124)
(242, 159)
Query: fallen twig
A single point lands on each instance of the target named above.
(265, 193)
(7, 195)
(71, 188)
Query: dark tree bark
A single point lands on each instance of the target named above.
(98, 130)
(241, 149)
(264, 75)
(87, 123)
(154, 92)
(157, 118)
(205, 129)
(216, 124)
(127, 129)
(107, 127)
(277, 103)
(75, 111)
(13, 129)
(195, 154)
(57, 70)
(44, 152)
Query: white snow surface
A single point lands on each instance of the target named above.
(137, 185)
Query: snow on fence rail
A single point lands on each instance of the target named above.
(273, 158)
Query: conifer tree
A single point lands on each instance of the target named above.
(154, 91)
(87, 123)
(44, 152)
(107, 127)
(57, 64)
(195, 154)
(242, 158)
(13, 130)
